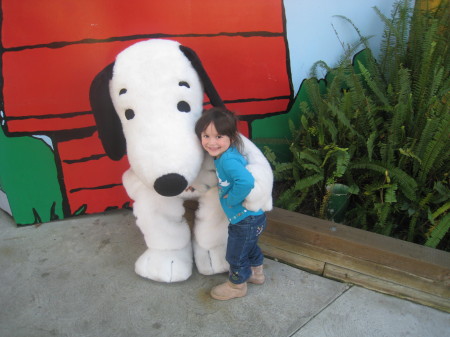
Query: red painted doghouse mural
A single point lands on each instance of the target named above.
(52, 50)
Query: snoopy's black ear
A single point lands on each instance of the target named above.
(210, 90)
(108, 123)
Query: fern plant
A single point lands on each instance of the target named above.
(380, 127)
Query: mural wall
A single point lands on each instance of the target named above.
(257, 53)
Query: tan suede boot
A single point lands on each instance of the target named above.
(257, 275)
(227, 291)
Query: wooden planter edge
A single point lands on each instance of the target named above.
(395, 267)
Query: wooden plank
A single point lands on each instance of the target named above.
(300, 261)
(383, 286)
(379, 271)
(396, 254)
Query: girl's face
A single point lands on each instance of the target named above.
(214, 143)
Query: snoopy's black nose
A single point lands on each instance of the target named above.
(170, 185)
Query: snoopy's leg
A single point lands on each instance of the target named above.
(210, 235)
(167, 235)
(165, 265)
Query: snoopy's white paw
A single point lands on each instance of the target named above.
(252, 205)
(210, 261)
(165, 265)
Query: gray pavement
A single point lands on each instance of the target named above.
(76, 278)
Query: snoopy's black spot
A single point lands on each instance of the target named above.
(129, 114)
(122, 91)
(184, 84)
(183, 106)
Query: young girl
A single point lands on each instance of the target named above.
(217, 130)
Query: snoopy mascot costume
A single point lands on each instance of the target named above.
(146, 105)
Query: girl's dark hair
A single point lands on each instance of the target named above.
(225, 123)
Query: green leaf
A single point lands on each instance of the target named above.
(437, 233)
(389, 196)
(442, 209)
(307, 182)
(407, 184)
(410, 154)
(373, 86)
(370, 144)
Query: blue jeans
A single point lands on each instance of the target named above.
(242, 248)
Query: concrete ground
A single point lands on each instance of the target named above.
(76, 278)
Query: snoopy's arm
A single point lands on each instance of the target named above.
(260, 196)
(205, 180)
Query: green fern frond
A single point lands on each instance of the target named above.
(399, 115)
(342, 162)
(390, 195)
(319, 65)
(363, 40)
(307, 182)
(288, 200)
(370, 144)
(423, 204)
(311, 167)
(438, 146)
(444, 208)
(394, 43)
(437, 233)
(407, 184)
(383, 211)
(310, 155)
(331, 128)
(410, 154)
(372, 85)
(282, 170)
(292, 126)
(342, 118)
(435, 86)
(324, 204)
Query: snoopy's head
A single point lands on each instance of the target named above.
(146, 104)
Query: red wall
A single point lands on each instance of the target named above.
(52, 49)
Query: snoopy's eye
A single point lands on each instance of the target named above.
(129, 114)
(122, 91)
(184, 84)
(183, 106)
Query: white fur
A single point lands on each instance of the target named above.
(161, 140)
